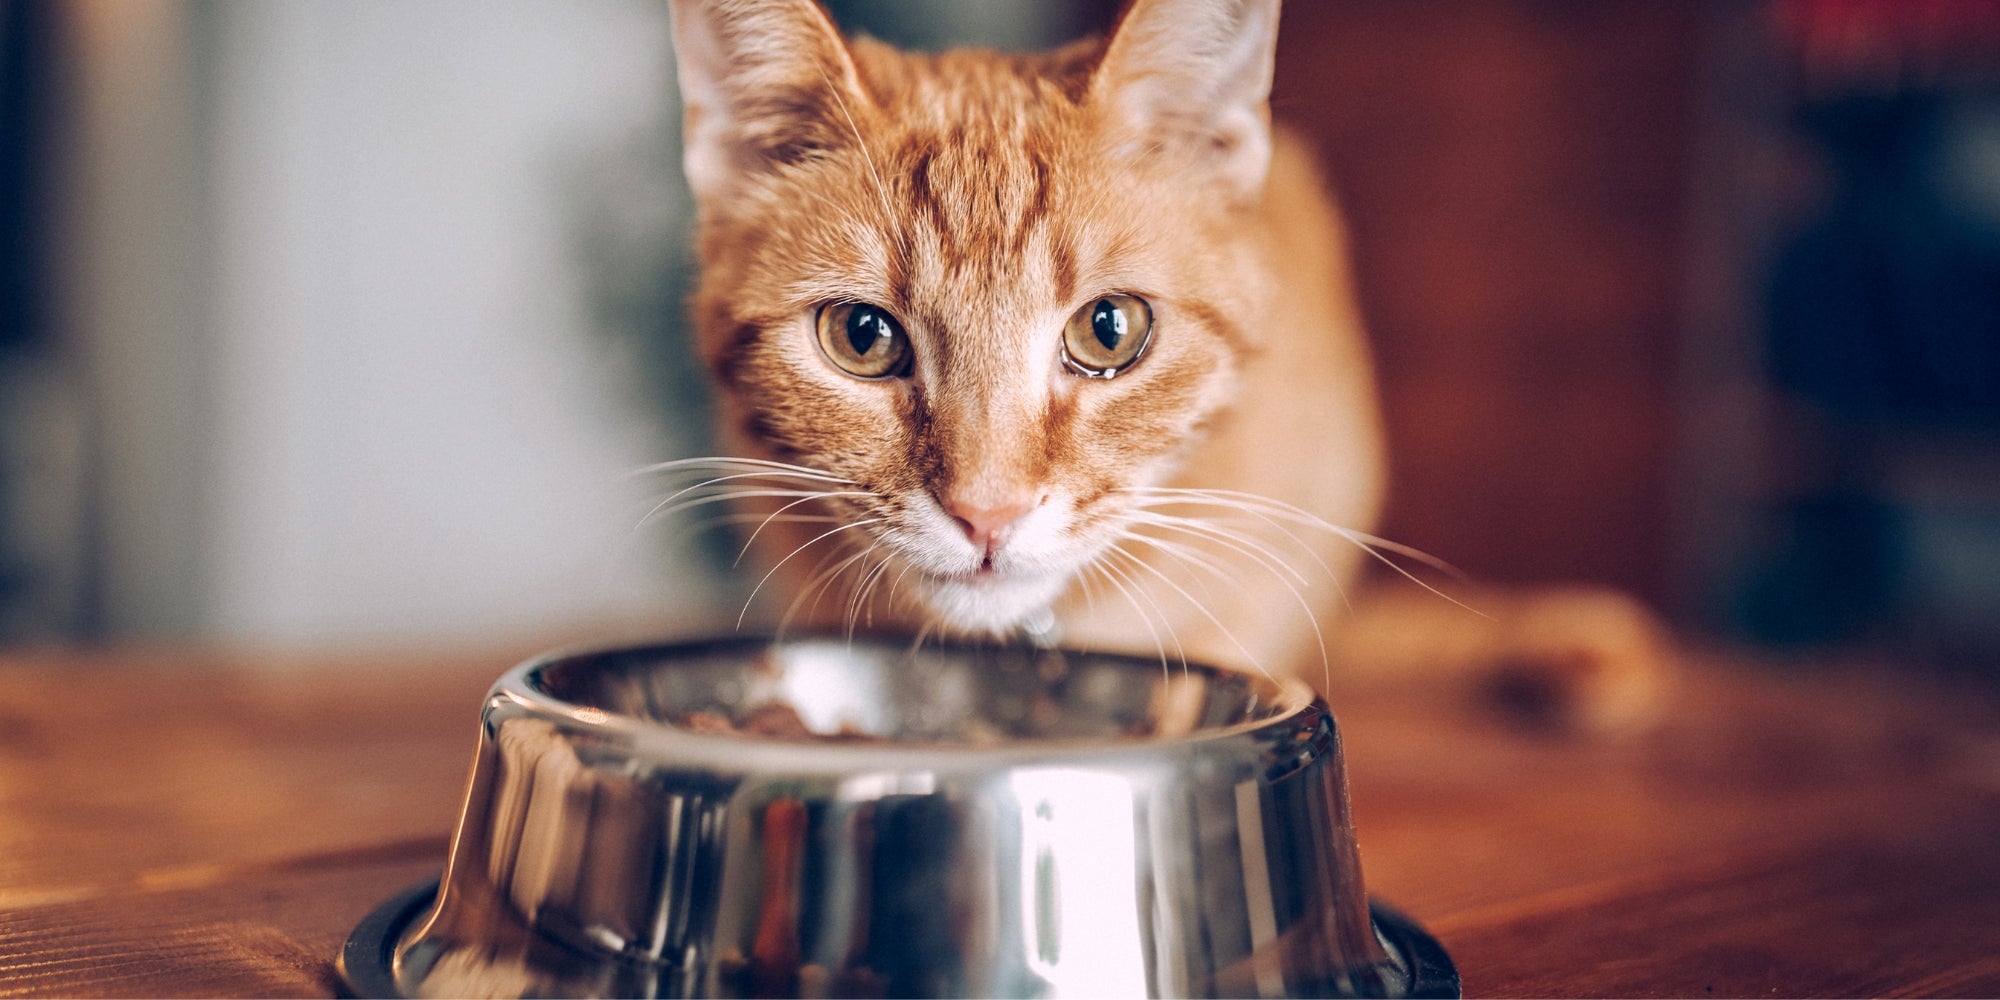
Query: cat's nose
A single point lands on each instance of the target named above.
(987, 527)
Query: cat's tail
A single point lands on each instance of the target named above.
(1584, 659)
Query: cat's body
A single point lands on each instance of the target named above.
(1001, 304)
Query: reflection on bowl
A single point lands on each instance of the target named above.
(828, 817)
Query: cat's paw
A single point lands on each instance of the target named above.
(1579, 658)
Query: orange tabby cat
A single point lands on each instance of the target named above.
(1061, 343)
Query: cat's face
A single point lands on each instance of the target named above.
(992, 294)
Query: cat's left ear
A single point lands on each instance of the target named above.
(1192, 78)
(763, 82)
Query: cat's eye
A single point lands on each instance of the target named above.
(863, 340)
(1105, 336)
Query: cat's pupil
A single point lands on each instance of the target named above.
(1108, 322)
(867, 327)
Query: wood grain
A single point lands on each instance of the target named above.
(215, 825)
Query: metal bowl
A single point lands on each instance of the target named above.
(835, 817)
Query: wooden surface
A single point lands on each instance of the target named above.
(216, 825)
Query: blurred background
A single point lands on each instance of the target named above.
(345, 322)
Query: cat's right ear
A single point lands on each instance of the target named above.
(763, 82)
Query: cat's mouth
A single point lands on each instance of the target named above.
(984, 571)
(990, 598)
(984, 574)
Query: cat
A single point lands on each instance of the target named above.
(1059, 345)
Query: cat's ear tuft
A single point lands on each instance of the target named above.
(762, 82)
(1193, 78)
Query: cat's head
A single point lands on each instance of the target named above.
(993, 292)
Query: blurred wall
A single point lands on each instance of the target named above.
(1516, 180)
(1697, 300)
(323, 278)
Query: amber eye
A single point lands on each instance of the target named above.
(863, 340)
(1104, 337)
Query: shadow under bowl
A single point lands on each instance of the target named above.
(867, 817)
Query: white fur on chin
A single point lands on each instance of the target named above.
(997, 605)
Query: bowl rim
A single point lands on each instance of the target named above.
(1297, 709)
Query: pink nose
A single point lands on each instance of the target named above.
(986, 527)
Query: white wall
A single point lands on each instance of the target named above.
(418, 434)
(128, 266)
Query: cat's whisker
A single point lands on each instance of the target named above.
(715, 463)
(752, 540)
(862, 589)
(1135, 595)
(924, 631)
(1227, 632)
(815, 583)
(1375, 546)
(1130, 585)
(1369, 544)
(747, 517)
(1162, 497)
(818, 581)
(1103, 567)
(1192, 556)
(896, 584)
(754, 591)
(864, 579)
(680, 507)
(851, 615)
(1251, 503)
(1259, 517)
(888, 595)
(783, 513)
(1188, 554)
(1240, 544)
(762, 477)
(730, 479)
(1089, 592)
(1208, 531)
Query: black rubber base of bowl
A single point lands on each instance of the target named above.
(366, 970)
(366, 962)
(1432, 974)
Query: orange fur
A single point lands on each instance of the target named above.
(981, 199)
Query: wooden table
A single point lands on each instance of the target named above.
(216, 824)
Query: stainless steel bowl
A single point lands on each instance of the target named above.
(829, 817)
